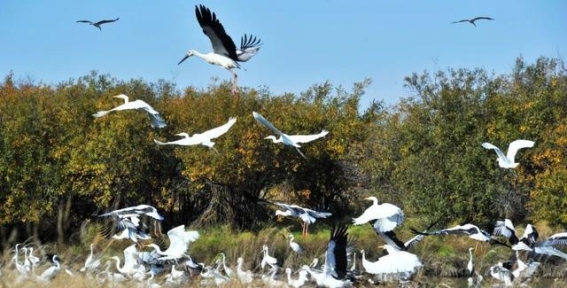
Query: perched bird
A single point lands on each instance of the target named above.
(97, 24)
(245, 277)
(507, 161)
(91, 263)
(268, 259)
(307, 216)
(225, 53)
(295, 247)
(52, 271)
(227, 270)
(473, 20)
(202, 138)
(155, 118)
(474, 279)
(385, 216)
(290, 140)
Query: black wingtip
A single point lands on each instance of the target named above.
(414, 231)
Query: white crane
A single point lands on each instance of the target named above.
(386, 216)
(295, 247)
(472, 20)
(397, 261)
(290, 140)
(507, 161)
(271, 281)
(98, 23)
(202, 138)
(179, 241)
(225, 53)
(131, 265)
(300, 281)
(52, 271)
(474, 279)
(30, 261)
(227, 269)
(20, 267)
(155, 118)
(267, 259)
(91, 263)
(245, 277)
(112, 277)
(307, 216)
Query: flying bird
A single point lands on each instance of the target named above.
(202, 138)
(507, 161)
(473, 20)
(155, 118)
(506, 229)
(385, 216)
(290, 140)
(396, 262)
(179, 241)
(308, 216)
(97, 24)
(334, 273)
(225, 52)
(127, 225)
(467, 229)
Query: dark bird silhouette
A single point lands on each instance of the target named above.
(473, 20)
(97, 24)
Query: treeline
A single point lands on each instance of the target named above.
(59, 166)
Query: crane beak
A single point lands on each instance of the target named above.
(186, 56)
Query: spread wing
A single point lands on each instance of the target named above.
(222, 43)
(218, 131)
(517, 145)
(106, 21)
(499, 152)
(266, 123)
(307, 138)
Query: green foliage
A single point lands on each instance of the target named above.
(59, 165)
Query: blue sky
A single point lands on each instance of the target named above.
(305, 42)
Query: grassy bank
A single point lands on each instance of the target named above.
(443, 257)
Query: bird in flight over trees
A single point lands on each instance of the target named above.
(201, 138)
(508, 161)
(225, 53)
(290, 140)
(155, 118)
(472, 20)
(97, 24)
